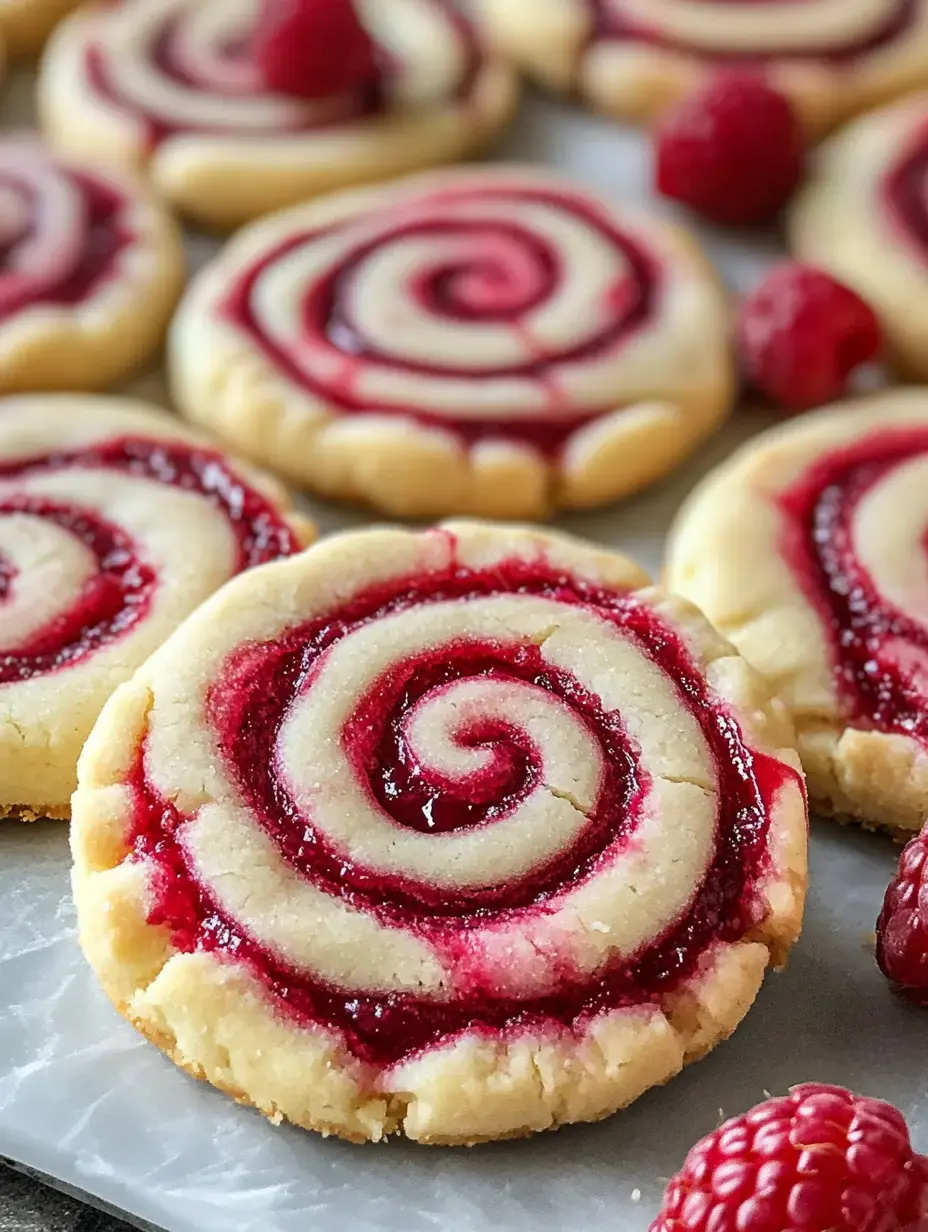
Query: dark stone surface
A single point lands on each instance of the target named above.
(27, 1206)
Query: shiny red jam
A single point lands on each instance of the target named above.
(465, 294)
(122, 587)
(879, 688)
(117, 596)
(248, 704)
(611, 25)
(105, 239)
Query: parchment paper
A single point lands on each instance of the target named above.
(85, 1100)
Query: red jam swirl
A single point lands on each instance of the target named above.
(105, 238)
(818, 542)
(517, 274)
(247, 706)
(367, 102)
(112, 602)
(612, 26)
(905, 193)
(120, 592)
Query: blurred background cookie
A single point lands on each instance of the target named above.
(488, 341)
(116, 523)
(631, 58)
(92, 268)
(177, 89)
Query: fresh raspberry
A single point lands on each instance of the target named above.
(733, 150)
(313, 48)
(818, 1160)
(802, 335)
(902, 929)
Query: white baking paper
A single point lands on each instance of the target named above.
(84, 1099)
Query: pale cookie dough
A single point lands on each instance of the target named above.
(489, 340)
(26, 24)
(632, 58)
(460, 834)
(168, 87)
(864, 218)
(807, 549)
(115, 523)
(90, 271)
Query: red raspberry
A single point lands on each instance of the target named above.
(802, 335)
(733, 150)
(902, 929)
(818, 1160)
(313, 48)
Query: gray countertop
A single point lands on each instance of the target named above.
(28, 1206)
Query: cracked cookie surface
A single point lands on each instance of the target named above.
(463, 834)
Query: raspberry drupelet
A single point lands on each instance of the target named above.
(820, 1159)
(902, 929)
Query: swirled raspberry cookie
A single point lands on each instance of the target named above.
(90, 271)
(115, 522)
(26, 24)
(864, 217)
(173, 86)
(634, 57)
(459, 834)
(807, 550)
(489, 341)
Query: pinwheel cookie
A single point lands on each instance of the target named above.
(807, 549)
(115, 522)
(633, 57)
(172, 86)
(489, 341)
(458, 834)
(25, 24)
(864, 217)
(90, 270)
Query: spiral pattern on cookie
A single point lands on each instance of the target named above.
(862, 567)
(62, 231)
(489, 307)
(863, 217)
(109, 533)
(186, 66)
(829, 30)
(442, 799)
